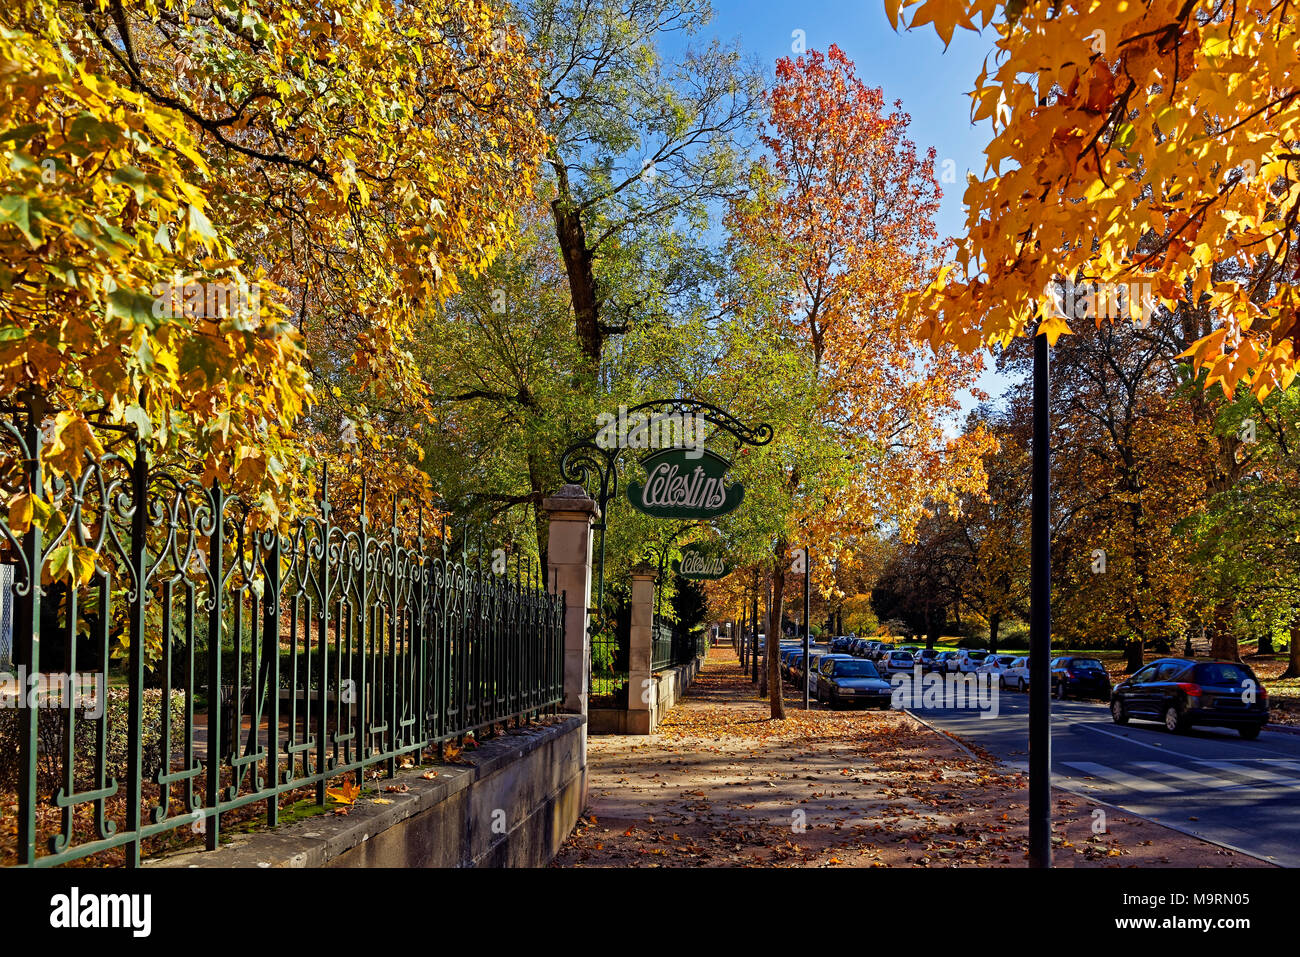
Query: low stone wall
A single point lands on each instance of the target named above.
(511, 803)
(670, 686)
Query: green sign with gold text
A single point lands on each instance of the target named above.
(699, 565)
(685, 483)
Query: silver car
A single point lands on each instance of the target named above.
(895, 662)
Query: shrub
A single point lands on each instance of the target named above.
(52, 742)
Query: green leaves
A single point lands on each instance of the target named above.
(72, 561)
(16, 211)
(130, 305)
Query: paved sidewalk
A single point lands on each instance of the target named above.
(721, 784)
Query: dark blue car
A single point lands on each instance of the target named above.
(848, 681)
(1076, 676)
(1182, 693)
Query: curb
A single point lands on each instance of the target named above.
(1282, 728)
(1125, 812)
(939, 731)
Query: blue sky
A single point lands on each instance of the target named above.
(911, 66)
(914, 67)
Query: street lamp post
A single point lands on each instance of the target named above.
(1040, 620)
(807, 633)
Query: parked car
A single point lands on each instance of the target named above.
(1183, 693)
(841, 643)
(813, 657)
(967, 662)
(1081, 677)
(895, 662)
(820, 663)
(852, 681)
(926, 658)
(793, 667)
(1016, 675)
(996, 665)
(941, 660)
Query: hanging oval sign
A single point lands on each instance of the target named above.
(700, 566)
(684, 483)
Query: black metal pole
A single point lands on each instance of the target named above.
(1040, 621)
(807, 632)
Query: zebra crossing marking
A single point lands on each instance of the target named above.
(1122, 778)
(1272, 778)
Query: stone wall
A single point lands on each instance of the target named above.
(511, 804)
(670, 686)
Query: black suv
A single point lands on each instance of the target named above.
(1079, 676)
(1182, 693)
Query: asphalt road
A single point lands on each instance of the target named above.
(1208, 782)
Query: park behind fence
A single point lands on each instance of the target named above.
(186, 661)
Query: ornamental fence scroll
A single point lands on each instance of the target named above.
(218, 664)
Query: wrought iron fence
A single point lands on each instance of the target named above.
(230, 663)
(608, 676)
(664, 646)
(6, 616)
(671, 645)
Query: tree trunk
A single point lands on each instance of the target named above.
(1266, 644)
(776, 698)
(1223, 642)
(995, 622)
(1133, 655)
(1293, 664)
(582, 277)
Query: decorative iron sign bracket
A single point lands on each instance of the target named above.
(592, 461)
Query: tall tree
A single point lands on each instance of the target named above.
(109, 262)
(993, 545)
(641, 146)
(1246, 540)
(838, 229)
(500, 362)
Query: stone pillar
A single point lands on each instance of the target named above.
(642, 702)
(568, 555)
